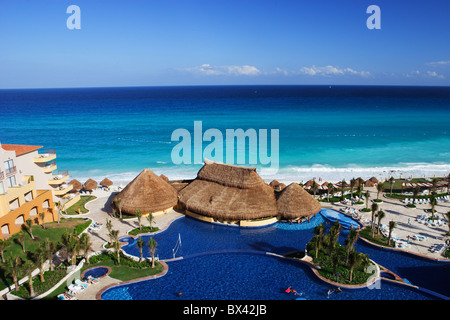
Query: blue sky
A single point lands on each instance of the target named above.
(209, 42)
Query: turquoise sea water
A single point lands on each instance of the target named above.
(328, 132)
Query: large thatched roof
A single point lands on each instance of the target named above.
(148, 193)
(294, 202)
(229, 192)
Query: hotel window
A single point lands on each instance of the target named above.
(9, 167)
(11, 181)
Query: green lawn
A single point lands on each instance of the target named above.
(53, 232)
(80, 205)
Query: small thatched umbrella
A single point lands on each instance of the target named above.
(274, 184)
(106, 183)
(164, 178)
(369, 183)
(90, 185)
(294, 202)
(76, 184)
(374, 180)
(148, 193)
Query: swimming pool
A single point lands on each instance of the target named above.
(241, 276)
(198, 238)
(96, 272)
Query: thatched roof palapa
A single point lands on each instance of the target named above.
(76, 184)
(294, 202)
(106, 182)
(148, 193)
(90, 184)
(369, 183)
(164, 178)
(229, 192)
(374, 180)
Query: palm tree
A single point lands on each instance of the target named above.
(150, 219)
(41, 217)
(392, 225)
(140, 244)
(113, 236)
(71, 243)
(343, 185)
(117, 250)
(330, 190)
(28, 224)
(334, 234)
(12, 269)
(315, 243)
(351, 240)
(380, 187)
(330, 187)
(416, 192)
(360, 190)
(139, 217)
(391, 183)
(355, 260)
(374, 209)
(117, 203)
(352, 185)
(314, 187)
(367, 196)
(41, 257)
(380, 216)
(448, 221)
(21, 239)
(152, 248)
(3, 245)
(85, 245)
(434, 182)
(433, 202)
(50, 249)
(361, 183)
(28, 269)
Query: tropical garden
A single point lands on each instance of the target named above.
(336, 262)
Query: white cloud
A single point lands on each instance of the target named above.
(438, 63)
(427, 74)
(331, 71)
(207, 69)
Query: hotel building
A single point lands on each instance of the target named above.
(30, 184)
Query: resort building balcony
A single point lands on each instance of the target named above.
(46, 156)
(50, 167)
(59, 178)
(62, 189)
(2, 175)
(10, 171)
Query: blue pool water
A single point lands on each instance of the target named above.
(238, 276)
(96, 272)
(200, 238)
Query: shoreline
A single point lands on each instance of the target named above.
(321, 174)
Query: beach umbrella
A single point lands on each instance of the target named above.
(106, 182)
(76, 184)
(90, 185)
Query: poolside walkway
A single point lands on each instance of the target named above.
(406, 222)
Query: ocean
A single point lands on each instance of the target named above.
(326, 132)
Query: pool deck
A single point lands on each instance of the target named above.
(100, 210)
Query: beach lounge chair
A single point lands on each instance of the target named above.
(81, 283)
(74, 289)
(92, 280)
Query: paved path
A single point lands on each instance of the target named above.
(397, 211)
